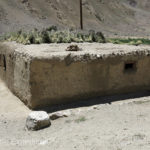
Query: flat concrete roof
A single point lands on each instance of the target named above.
(48, 51)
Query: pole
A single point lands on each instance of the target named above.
(81, 15)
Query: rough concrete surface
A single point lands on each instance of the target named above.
(122, 125)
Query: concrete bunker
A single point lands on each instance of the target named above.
(46, 74)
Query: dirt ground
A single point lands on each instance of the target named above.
(112, 17)
(120, 125)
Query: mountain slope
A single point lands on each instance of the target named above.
(121, 17)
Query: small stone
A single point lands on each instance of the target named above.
(73, 48)
(59, 114)
(37, 120)
(24, 1)
(95, 107)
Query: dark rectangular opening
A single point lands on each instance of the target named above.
(1, 61)
(4, 62)
(131, 66)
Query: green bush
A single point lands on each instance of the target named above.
(53, 35)
(130, 41)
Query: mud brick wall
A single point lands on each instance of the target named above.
(44, 75)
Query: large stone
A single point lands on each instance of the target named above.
(37, 120)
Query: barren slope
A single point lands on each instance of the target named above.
(122, 17)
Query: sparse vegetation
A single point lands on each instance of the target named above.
(130, 41)
(141, 102)
(80, 119)
(68, 121)
(139, 136)
(53, 35)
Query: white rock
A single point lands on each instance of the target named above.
(60, 114)
(37, 120)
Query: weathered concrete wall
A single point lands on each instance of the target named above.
(21, 85)
(46, 74)
(61, 82)
(14, 70)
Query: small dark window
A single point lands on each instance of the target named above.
(26, 65)
(130, 66)
(4, 62)
(1, 61)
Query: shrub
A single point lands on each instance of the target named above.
(130, 41)
(53, 35)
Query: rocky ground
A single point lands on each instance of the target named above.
(113, 17)
(119, 125)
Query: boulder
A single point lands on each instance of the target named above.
(37, 120)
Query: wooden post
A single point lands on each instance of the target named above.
(81, 15)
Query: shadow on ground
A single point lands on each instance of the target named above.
(96, 101)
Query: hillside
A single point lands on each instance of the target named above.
(112, 17)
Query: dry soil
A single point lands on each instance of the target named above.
(120, 125)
